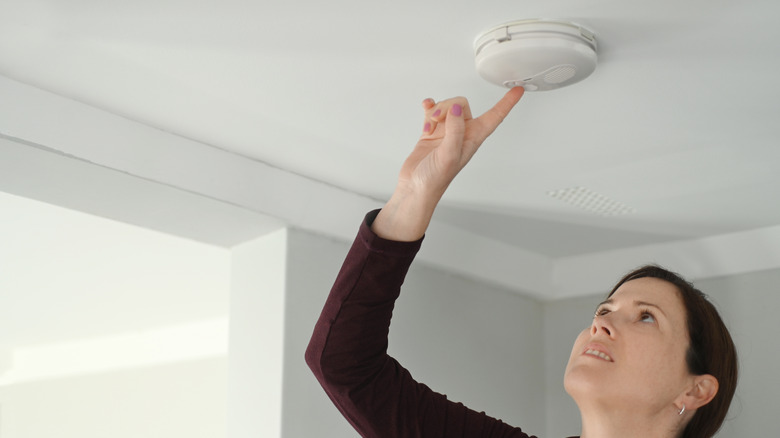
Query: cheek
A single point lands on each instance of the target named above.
(658, 362)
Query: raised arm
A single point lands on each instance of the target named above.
(348, 350)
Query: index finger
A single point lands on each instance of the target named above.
(493, 117)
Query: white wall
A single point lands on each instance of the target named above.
(257, 337)
(67, 275)
(478, 344)
(108, 330)
(185, 399)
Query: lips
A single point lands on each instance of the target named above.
(598, 351)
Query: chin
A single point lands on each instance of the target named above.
(585, 392)
(582, 380)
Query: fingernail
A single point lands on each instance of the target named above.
(436, 113)
(427, 127)
(457, 110)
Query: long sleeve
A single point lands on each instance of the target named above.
(348, 353)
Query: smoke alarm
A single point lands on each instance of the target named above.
(538, 55)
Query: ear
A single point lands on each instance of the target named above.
(704, 389)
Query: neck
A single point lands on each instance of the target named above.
(599, 422)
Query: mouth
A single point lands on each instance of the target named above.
(594, 351)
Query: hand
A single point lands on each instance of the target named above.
(450, 138)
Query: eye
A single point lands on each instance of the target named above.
(601, 311)
(646, 316)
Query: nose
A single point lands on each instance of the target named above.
(603, 325)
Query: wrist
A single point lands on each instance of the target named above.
(405, 217)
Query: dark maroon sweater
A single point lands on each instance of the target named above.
(348, 353)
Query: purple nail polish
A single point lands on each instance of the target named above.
(427, 127)
(457, 110)
(436, 113)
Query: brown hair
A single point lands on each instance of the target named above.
(711, 349)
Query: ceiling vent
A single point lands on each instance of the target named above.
(537, 55)
(591, 201)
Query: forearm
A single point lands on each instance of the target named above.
(349, 346)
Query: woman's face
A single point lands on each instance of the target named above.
(633, 355)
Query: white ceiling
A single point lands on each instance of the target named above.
(239, 117)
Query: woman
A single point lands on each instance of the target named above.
(657, 360)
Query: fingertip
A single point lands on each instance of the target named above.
(510, 99)
(517, 92)
(428, 103)
(456, 110)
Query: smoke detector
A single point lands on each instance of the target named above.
(538, 55)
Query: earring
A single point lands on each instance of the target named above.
(682, 410)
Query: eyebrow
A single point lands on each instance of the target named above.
(637, 303)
